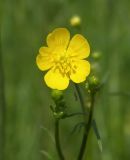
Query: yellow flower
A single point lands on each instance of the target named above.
(65, 58)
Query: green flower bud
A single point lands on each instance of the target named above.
(57, 95)
(93, 81)
(92, 84)
(96, 55)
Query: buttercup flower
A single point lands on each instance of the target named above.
(65, 58)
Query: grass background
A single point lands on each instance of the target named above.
(25, 99)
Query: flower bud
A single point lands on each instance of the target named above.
(75, 21)
(57, 95)
(92, 84)
(96, 55)
(93, 81)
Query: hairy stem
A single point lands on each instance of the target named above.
(57, 140)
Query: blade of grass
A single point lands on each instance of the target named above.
(48, 133)
(46, 154)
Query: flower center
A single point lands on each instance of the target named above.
(64, 64)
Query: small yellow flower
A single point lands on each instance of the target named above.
(65, 58)
(75, 21)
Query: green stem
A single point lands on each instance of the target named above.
(86, 132)
(88, 123)
(57, 140)
(80, 98)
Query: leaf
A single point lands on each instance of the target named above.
(46, 154)
(94, 125)
(48, 133)
(100, 145)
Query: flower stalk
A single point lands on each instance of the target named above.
(86, 130)
(57, 139)
(87, 120)
(59, 110)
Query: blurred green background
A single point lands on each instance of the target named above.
(25, 99)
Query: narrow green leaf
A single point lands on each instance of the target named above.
(94, 125)
(45, 153)
(48, 133)
(100, 145)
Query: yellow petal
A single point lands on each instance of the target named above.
(81, 72)
(58, 38)
(78, 47)
(55, 80)
(44, 59)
